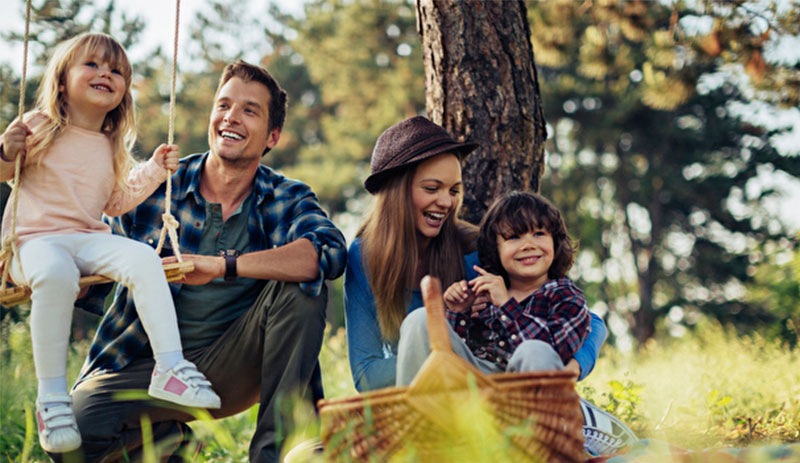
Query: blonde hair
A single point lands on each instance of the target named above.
(120, 123)
(390, 251)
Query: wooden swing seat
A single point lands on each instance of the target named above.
(15, 295)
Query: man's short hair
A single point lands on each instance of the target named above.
(249, 73)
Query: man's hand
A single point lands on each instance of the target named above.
(206, 268)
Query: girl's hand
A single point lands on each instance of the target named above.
(490, 285)
(458, 297)
(166, 156)
(14, 141)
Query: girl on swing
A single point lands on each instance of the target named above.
(76, 166)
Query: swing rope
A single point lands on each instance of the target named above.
(170, 223)
(9, 249)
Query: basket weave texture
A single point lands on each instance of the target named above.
(454, 412)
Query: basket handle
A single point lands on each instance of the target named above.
(437, 321)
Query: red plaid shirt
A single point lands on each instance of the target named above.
(556, 313)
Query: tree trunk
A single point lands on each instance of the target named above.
(481, 85)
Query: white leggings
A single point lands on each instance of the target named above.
(53, 265)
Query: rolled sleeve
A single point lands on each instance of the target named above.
(297, 214)
(331, 262)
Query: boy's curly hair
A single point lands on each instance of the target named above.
(517, 213)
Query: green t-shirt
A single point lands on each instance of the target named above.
(206, 311)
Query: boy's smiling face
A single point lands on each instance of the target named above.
(526, 257)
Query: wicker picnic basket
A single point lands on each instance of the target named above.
(454, 412)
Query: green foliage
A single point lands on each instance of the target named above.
(776, 286)
(18, 438)
(709, 389)
(365, 63)
(650, 162)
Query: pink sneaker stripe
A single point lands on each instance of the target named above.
(175, 386)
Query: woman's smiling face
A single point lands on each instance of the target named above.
(435, 191)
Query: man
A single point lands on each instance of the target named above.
(251, 314)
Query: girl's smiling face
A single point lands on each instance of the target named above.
(435, 192)
(93, 86)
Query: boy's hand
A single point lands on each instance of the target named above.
(14, 141)
(458, 297)
(490, 285)
(166, 156)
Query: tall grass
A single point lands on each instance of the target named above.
(709, 389)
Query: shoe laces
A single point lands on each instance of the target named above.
(600, 443)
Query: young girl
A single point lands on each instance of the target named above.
(537, 318)
(75, 149)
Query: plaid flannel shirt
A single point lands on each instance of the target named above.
(285, 210)
(556, 313)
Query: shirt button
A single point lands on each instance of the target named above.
(462, 323)
(513, 336)
(501, 343)
(503, 317)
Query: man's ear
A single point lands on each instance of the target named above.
(272, 137)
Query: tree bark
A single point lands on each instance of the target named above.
(481, 85)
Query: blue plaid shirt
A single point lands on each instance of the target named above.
(556, 313)
(284, 211)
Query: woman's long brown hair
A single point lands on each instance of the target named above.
(390, 251)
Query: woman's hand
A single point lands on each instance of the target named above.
(573, 366)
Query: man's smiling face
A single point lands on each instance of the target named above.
(239, 125)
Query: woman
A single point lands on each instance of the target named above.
(413, 230)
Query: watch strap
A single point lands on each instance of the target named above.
(230, 256)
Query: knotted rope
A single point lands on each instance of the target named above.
(170, 223)
(9, 249)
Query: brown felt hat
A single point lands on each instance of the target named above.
(407, 143)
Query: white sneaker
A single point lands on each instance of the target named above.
(58, 431)
(604, 433)
(184, 385)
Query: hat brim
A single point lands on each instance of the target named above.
(375, 181)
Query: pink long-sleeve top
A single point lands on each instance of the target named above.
(68, 188)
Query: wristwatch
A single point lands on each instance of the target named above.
(230, 256)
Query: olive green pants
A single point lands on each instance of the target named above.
(267, 356)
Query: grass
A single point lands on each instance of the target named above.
(709, 390)
(712, 389)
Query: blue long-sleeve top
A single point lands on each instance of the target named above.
(373, 360)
